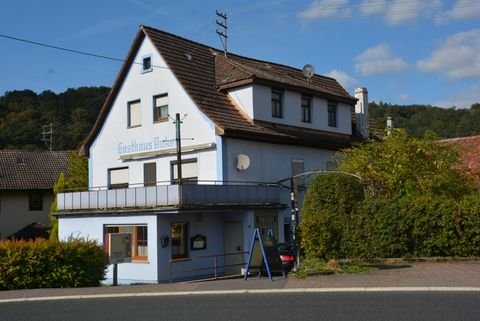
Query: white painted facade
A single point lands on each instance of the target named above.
(118, 146)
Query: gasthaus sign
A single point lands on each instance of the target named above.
(120, 250)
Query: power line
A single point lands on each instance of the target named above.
(85, 53)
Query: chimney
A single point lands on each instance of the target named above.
(389, 126)
(361, 111)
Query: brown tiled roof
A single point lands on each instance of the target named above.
(31, 170)
(205, 74)
(470, 154)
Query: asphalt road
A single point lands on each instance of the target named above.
(398, 306)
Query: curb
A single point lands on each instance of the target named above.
(246, 291)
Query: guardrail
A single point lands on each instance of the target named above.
(168, 195)
(217, 266)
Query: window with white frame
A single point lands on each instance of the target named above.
(149, 174)
(160, 108)
(147, 64)
(139, 239)
(118, 178)
(277, 100)
(189, 171)
(306, 109)
(332, 114)
(134, 113)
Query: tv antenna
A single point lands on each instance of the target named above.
(308, 71)
(222, 33)
(47, 132)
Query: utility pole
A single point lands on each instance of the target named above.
(223, 34)
(47, 132)
(179, 148)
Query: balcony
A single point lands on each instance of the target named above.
(173, 196)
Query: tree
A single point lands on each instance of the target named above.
(75, 178)
(400, 164)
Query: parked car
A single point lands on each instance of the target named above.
(287, 255)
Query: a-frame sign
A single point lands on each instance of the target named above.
(263, 255)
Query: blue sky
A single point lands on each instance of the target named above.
(403, 51)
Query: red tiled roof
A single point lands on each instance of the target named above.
(470, 153)
(31, 170)
(205, 74)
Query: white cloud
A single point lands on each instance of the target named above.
(400, 11)
(379, 61)
(462, 99)
(458, 57)
(370, 7)
(325, 8)
(343, 78)
(462, 9)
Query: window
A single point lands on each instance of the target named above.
(306, 110)
(147, 64)
(134, 113)
(149, 174)
(277, 96)
(298, 167)
(35, 201)
(179, 235)
(118, 178)
(332, 114)
(266, 222)
(160, 108)
(189, 171)
(139, 239)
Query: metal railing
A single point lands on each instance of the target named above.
(169, 195)
(216, 267)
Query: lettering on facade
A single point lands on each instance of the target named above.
(138, 147)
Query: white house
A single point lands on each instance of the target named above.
(26, 190)
(243, 125)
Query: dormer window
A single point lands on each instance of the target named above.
(306, 109)
(332, 114)
(147, 64)
(277, 109)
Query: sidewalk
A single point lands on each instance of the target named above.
(455, 276)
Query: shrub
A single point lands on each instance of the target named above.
(330, 200)
(51, 264)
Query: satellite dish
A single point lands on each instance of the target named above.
(308, 71)
(243, 162)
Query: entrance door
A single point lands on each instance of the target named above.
(233, 243)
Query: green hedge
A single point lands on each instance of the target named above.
(51, 264)
(402, 226)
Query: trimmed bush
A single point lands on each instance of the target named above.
(329, 202)
(51, 264)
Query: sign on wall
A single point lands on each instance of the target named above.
(120, 250)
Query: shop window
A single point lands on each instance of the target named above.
(179, 236)
(139, 239)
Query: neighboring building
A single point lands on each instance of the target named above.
(470, 154)
(26, 190)
(245, 125)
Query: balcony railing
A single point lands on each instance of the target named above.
(170, 196)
